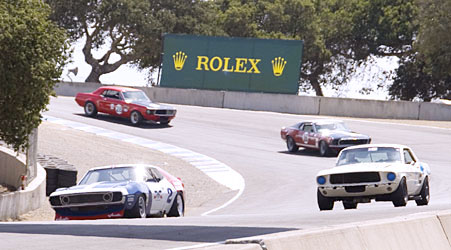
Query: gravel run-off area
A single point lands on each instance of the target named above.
(85, 150)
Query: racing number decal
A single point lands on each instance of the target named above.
(119, 109)
(305, 137)
(169, 195)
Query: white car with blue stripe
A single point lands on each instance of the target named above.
(381, 172)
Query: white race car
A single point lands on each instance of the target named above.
(384, 172)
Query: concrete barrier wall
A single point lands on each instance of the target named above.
(435, 111)
(195, 97)
(308, 105)
(369, 108)
(293, 104)
(11, 167)
(72, 88)
(13, 204)
(418, 231)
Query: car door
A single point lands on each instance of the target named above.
(168, 191)
(112, 103)
(413, 172)
(156, 192)
(304, 134)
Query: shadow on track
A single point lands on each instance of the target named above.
(124, 121)
(207, 234)
(307, 152)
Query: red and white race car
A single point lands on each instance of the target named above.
(125, 102)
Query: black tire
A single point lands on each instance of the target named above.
(178, 207)
(291, 145)
(324, 203)
(424, 194)
(349, 204)
(324, 148)
(136, 118)
(139, 209)
(90, 109)
(400, 196)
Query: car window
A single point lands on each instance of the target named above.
(369, 155)
(408, 158)
(308, 128)
(113, 94)
(149, 175)
(109, 175)
(332, 126)
(157, 173)
(135, 96)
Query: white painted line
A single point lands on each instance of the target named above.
(198, 246)
(215, 169)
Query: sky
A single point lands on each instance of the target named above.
(367, 77)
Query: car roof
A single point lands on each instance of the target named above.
(123, 165)
(120, 88)
(322, 121)
(376, 146)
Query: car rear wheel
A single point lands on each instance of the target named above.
(424, 194)
(291, 144)
(139, 209)
(178, 207)
(324, 203)
(400, 196)
(90, 109)
(349, 204)
(323, 148)
(136, 118)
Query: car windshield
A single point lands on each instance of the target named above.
(110, 175)
(332, 126)
(368, 155)
(135, 96)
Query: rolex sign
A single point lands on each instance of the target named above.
(230, 63)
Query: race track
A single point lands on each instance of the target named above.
(280, 192)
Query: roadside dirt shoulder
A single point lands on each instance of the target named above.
(85, 150)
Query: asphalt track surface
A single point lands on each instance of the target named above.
(280, 192)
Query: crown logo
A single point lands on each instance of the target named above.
(278, 64)
(179, 60)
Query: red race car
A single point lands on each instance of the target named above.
(327, 136)
(125, 102)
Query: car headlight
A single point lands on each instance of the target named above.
(321, 180)
(391, 176)
(150, 112)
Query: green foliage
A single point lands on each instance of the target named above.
(133, 29)
(425, 73)
(337, 34)
(32, 53)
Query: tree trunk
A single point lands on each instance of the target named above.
(316, 86)
(94, 76)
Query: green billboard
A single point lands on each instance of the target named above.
(230, 63)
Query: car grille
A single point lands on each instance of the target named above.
(353, 141)
(350, 178)
(85, 198)
(164, 112)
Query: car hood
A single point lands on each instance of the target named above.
(152, 105)
(342, 134)
(94, 187)
(362, 167)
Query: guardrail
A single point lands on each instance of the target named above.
(306, 105)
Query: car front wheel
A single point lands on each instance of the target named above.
(424, 194)
(136, 118)
(400, 196)
(324, 203)
(323, 148)
(139, 209)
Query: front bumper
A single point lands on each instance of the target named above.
(90, 212)
(358, 190)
